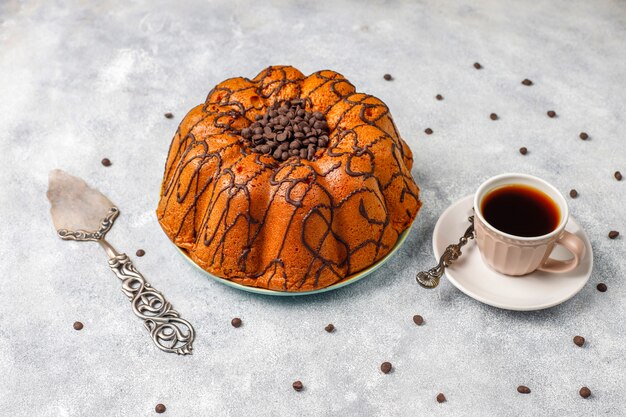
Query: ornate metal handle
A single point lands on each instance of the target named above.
(169, 332)
(430, 279)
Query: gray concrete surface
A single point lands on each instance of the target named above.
(81, 80)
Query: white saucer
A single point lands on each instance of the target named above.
(472, 276)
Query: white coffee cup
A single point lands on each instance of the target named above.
(518, 255)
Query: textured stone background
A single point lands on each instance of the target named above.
(82, 80)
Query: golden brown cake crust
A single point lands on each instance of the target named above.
(296, 225)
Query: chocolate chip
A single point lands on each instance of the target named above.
(297, 385)
(160, 408)
(320, 124)
(613, 234)
(583, 136)
(106, 162)
(385, 367)
(168, 115)
(551, 113)
(573, 193)
(388, 77)
(439, 97)
(579, 341)
(329, 328)
(236, 322)
(441, 398)
(523, 389)
(527, 82)
(78, 325)
(601, 287)
(618, 175)
(428, 131)
(140, 252)
(477, 65)
(493, 116)
(523, 150)
(417, 319)
(585, 392)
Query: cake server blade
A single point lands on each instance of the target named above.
(73, 204)
(82, 213)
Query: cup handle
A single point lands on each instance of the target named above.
(573, 244)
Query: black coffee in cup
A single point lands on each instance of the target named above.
(520, 210)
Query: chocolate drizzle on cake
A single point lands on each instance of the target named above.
(222, 186)
(287, 130)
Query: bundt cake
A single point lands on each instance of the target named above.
(287, 182)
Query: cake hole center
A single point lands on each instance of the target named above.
(287, 130)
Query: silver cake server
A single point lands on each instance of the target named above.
(82, 213)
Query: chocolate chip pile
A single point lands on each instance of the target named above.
(287, 130)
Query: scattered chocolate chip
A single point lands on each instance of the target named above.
(477, 65)
(236, 322)
(388, 77)
(168, 115)
(527, 82)
(441, 398)
(160, 408)
(523, 150)
(551, 113)
(579, 341)
(618, 175)
(140, 252)
(385, 367)
(601, 287)
(329, 328)
(78, 325)
(287, 130)
(297, 385)
(493, 116)
(573, 193)
(613, 234)
(106, 162)
(417, 319)
(523, 389)
(439, 97)
(583, 136)
(428, 131)
(585, 392)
